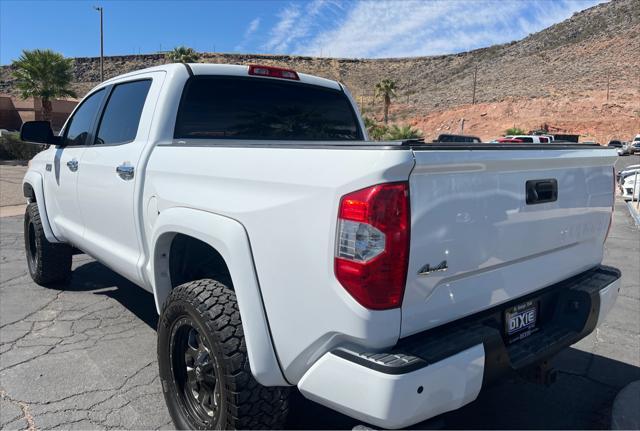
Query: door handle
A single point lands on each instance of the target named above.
(125, 171)
(541, 191)
(72, 165)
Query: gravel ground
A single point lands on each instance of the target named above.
(85, 357)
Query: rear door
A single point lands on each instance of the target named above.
(109, 179)
(489, 226)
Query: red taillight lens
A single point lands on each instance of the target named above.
(372, 252)
(273, 72)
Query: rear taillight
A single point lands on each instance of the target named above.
(372, 250)
(273, 72)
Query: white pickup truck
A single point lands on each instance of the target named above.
(390, 281)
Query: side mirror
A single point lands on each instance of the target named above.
(39, 132)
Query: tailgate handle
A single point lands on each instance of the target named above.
(542, 191)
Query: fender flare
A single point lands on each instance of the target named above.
(230, 239)
(34, 180)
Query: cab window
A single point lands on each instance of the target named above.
(121, 117)
(81, 123)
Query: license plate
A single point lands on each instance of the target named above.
(521, 320)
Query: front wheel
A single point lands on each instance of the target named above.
(48, 263)
(204, 367)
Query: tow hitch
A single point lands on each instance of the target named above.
(542, 373)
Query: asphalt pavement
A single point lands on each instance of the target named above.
(84, 357)
(11, 197)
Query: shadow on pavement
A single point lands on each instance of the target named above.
(580, 399)
(95, 276)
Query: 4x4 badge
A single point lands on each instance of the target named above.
(428, 269)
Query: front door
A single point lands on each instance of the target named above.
(60, 186)
(109, 177)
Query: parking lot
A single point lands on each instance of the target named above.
(85, 357)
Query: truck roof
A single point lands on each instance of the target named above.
(226, 70)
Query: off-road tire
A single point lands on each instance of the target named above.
(48, 263)
(244, 403)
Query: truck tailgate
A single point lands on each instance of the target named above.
(478, 241)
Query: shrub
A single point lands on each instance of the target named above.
(183, 54)
(400, 133)
(381, 132)
(376, 130)
(514, 131)
(12, 148)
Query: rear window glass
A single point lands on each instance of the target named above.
(264, 109)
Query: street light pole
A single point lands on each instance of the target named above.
(99, 8)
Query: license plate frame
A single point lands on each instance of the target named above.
(521, 320)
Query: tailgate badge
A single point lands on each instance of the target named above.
(428, 269)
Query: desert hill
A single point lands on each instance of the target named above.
(557, 77)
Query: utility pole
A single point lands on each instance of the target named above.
(99, 9)
(608, 76)
(475, 78)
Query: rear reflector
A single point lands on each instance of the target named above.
(372, 250)
(273, 72)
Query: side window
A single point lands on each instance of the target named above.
(119, 123)
(82, 121)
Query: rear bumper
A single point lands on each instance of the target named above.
(445, 368)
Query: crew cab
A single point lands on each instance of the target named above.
(390, 281)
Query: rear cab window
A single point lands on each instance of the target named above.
(230, 107)
(121, 116)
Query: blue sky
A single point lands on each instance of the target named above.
(335, 28)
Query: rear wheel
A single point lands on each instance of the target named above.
(204, 366)
(48, 263)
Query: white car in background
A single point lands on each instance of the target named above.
(536, 139)
(623, 174)
(631, 187)
(634, 146)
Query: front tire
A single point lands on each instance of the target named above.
(204, 367)
(48, 263)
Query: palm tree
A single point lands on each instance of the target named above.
(401, 133)
(43, 74)
(182, 54)
(387, 89)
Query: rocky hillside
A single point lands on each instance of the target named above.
(557, 76)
